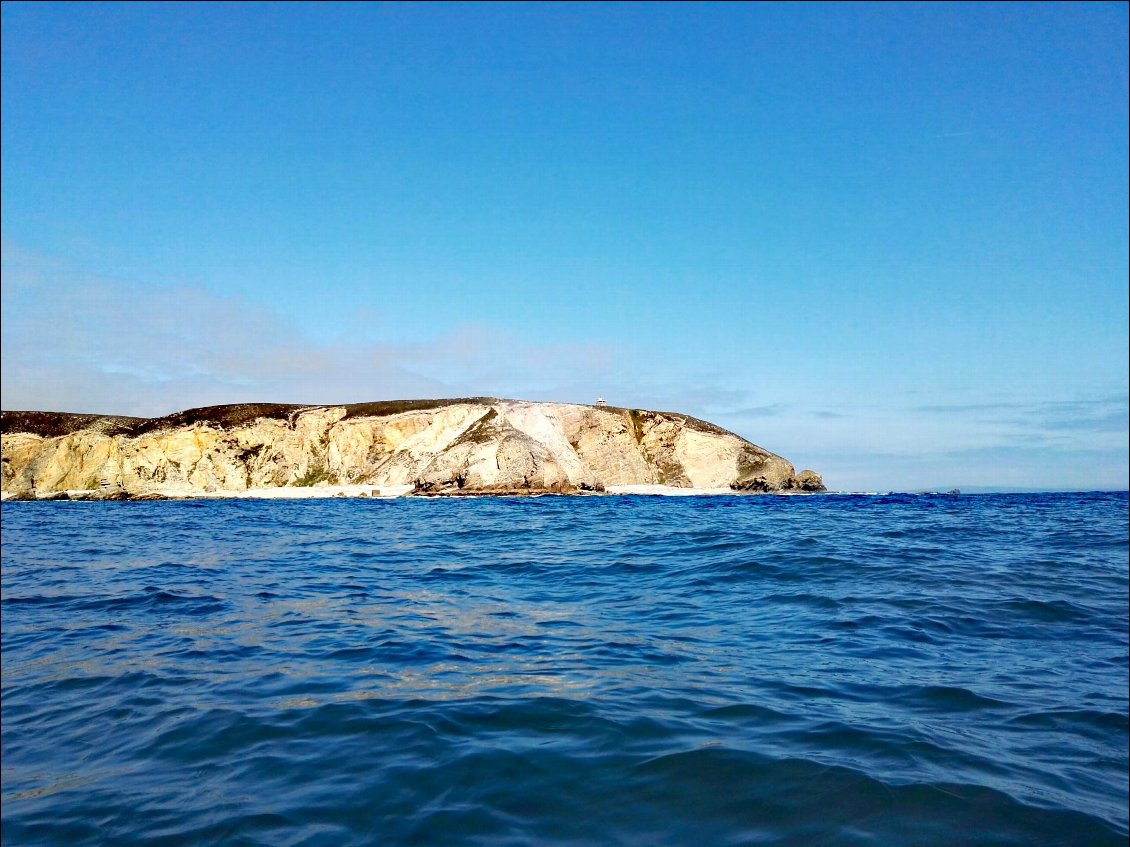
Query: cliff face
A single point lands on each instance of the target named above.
(447, 446)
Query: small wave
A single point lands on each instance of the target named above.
(1056, 611)
(1087, 720)
(150, 599)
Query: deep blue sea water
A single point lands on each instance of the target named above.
(824, 670)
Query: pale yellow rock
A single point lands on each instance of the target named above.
(708, 460)
(465, 445)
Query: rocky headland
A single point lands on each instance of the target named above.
(470, 446)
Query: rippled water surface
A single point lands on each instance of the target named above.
(829, 670)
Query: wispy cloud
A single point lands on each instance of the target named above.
(1110, 414)
(770, 410)
(79, 342)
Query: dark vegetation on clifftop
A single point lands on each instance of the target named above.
(55, 424)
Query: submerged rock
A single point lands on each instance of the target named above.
(440, 447)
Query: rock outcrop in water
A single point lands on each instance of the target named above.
(469, 446)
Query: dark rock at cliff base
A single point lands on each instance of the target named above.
(809, 481)
(806, 481)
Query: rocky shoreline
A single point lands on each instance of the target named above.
(334, 493)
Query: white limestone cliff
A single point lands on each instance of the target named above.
(481, 445)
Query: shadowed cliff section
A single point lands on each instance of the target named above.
(437, 447)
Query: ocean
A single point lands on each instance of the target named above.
(606, 670)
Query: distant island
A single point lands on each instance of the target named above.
(454, 447)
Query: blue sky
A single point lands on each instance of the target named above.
(888, 242)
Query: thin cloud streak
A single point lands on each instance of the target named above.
(87, 343)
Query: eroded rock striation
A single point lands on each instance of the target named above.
(440, 447)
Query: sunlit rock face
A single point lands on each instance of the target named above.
(478, 445)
